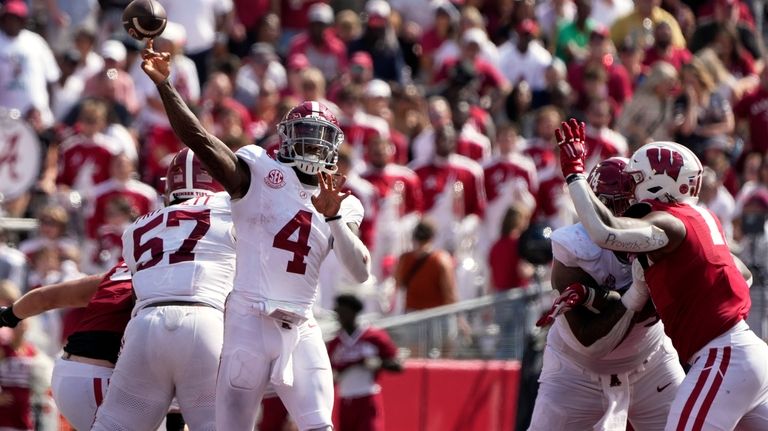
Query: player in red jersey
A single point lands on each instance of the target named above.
(358, 353)
(697, 286)
(81, 375)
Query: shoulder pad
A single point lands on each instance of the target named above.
(571, 245)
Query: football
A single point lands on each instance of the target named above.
(144, 19)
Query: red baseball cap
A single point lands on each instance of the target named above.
(363, 59)
(528, 26)
(297, 61)
(15, 7)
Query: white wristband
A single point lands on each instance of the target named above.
(635, 298)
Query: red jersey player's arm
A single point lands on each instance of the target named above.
(586, 326)
(221, 162)
(656, 233)
(73, 293)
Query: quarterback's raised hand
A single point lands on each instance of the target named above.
(328, 202)
(574, 295)
(570, 138)
(155, 64)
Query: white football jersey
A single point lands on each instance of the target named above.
(281, 238)
(183, 252)
(572, 246)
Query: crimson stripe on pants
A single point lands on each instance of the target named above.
(97, 391)
(696, 390)
(699, 423)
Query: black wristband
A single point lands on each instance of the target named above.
(574, 177)
(336, 217)
(7, 318)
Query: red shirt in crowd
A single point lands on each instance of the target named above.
(504, 169)
(489, 76)
(675, 56)
(330, 58)
(16, 368)
(434, 178)
(398, 178)
(503, 261)
(293, 14)
(249, 12)
(368, 195)
(619, 83)
(141, 196)
(754, 108)
(84, 162)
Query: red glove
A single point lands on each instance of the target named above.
(574, 295)
(570, 138)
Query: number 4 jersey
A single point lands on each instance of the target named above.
(281, 238)
(183, 252)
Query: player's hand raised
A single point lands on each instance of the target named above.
(157, 65)
(328, 202)
(574, 295)
(570, 138)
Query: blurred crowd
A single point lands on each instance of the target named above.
(448, 107)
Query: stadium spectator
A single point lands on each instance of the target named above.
(209, 19)
(27, 65)
(701, 116)
(426, 272)
(572, 35)
(359, 353)
(113, 83)
(320, 44)
(663, 50)
(508, 269)
(379, 40)
(52, 232)
(638, 25)
(525, 59)
(647, 117)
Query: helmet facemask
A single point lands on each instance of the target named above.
(310, 144)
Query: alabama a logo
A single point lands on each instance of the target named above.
(275, 179)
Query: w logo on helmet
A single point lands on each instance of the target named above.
(666, 161)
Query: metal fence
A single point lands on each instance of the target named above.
(489, 327)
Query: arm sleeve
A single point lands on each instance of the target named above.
(350, 250)
(640, 238)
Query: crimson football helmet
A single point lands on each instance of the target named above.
(187, 178)
(666, 171)
(612, 184)
(310, 137)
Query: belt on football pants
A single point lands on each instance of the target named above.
(178, 303)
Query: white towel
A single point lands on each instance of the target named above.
(616, 389)
(282, 369)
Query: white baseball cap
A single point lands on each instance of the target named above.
(378, 8)
(377, 88)
(115, 50)
(320, 12)
(175, 33)
(474, 35)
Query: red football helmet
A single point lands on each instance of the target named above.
(187, 178)
(612, 184)
(310, 138)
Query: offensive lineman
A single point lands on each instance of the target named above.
(288, 214)
(81, 375)
(601, 370)
(696, 285)
(182, 258)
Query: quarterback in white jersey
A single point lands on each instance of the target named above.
(288, 214)
(600, 371)
(182, 258)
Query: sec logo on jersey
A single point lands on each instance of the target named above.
(275, 179)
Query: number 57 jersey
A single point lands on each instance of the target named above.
(183, 252)
(281, 238)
